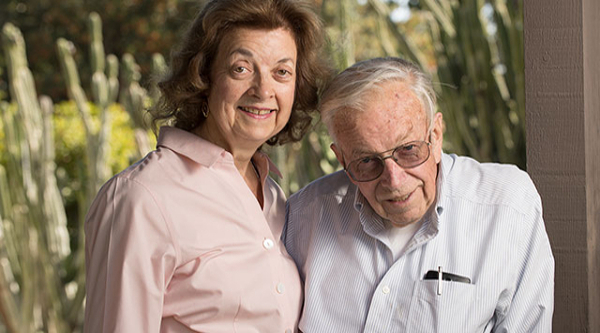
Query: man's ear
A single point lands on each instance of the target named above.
(338, 154)
(437, 136)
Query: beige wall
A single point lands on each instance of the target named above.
(562, 73)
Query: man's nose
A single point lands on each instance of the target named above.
(393, 175)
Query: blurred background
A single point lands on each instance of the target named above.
(75, 81)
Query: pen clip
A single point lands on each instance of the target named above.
(439, 286)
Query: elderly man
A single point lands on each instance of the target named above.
(407, 238)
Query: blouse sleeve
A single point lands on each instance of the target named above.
(130, 258)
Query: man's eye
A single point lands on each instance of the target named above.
(239, 70)
(408, 148)
(366, 160)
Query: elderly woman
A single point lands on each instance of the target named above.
(188, 238)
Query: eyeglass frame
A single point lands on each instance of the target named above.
(382, 159)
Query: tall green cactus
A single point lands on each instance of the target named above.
(35, 239)
(104, 89)
(159, 69)
(134, 99)
(9, 311)
(482, 77)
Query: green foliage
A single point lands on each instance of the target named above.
(70, 141)
(140, 27)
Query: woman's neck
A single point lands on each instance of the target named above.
(242, 158)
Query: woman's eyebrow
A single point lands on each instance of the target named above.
(242, 51)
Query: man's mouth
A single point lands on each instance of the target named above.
(403, 198)
(255, 111)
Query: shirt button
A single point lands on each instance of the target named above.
(280, 288)
(385, 290)
(268, 243)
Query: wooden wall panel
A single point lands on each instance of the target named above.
(562, 61)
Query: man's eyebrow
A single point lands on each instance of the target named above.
(362, 153)
(366, 153)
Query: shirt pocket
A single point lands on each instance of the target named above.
(448, 312)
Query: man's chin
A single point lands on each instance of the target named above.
(403, 217)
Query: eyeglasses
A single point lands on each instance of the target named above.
(409, 155)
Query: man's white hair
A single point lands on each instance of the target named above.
(346, 91)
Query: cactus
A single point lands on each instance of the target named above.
(33, 218)
(133, 96)
(9, 312)
(159, 69)
(104, 89)
(134, 99)
(488, 123)
(104, 86)
(112, 72)
(34, 243)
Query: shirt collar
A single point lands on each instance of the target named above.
(431, 225)
(372, 223)
(446, 164)
(207, 153)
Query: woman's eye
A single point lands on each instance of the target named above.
(283, 72)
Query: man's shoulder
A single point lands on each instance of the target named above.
(487, 183)
(461, 165)
(316, 207)
(336, 184)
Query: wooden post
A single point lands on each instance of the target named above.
(562, 72)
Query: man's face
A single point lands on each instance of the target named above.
(393, 117)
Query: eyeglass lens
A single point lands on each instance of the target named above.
(407, 156)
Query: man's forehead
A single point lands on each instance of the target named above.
(390, 118)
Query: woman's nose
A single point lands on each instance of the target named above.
(262, 87)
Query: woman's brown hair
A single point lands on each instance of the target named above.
(186, 87)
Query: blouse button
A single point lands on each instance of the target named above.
(280, 288)
(385, 289)
(268, 243)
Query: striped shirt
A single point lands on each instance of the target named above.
(486, 225)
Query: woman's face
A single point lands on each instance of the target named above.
(253, 79)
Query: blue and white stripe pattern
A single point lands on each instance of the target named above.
(486, 225)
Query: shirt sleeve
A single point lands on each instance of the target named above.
(532, 302)
(130, 258)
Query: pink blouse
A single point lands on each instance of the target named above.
(178, 243)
